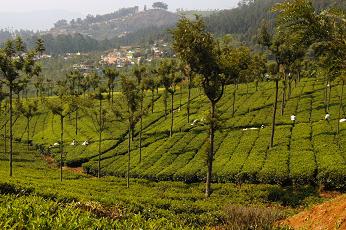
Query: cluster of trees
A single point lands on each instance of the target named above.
(17, 64)
(4, 35)
(160, 5)
(302, 35)
(90, 19)
(68, 43)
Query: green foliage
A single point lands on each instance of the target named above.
(160, 5)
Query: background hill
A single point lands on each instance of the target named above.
(117, 24)
(129, 26)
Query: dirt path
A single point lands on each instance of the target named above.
(78, 170)
(328, 215)
(52, 164)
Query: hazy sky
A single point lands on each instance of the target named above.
(42, 14)
(105, 6)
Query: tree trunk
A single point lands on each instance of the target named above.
(274, 113)
(140, 132)
(129, 157)
(325, 98)
(28, 125)
(172, 114)
(181, 96)
(211, 151)
(289, 89)
(298, 76)
(165, 102)
(109, 94)
(188, 101)
(100, 139)
(329, 96)
(112, 96)
(5, 133)
(233, 102)
(76, 125)
(133, 133)
(11, 128)
(61, 144)
(340, 107)
(342, 96)
(152, 101)
(283, 97)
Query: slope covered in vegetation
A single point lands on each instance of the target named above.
(243, 153)
(35, 198)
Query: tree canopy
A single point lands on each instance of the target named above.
(160, 5)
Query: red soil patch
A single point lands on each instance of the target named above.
(78, 170)
(328, 215)
(51, 163)
(50, 160)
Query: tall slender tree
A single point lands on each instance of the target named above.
(99, 117)
(111, 74)
(170, 81)
(28, 110)
(273, 74)
(164, 70)
(73, 80)
(132, 97)
(197, 47)
(286, 47)
(139, 73)
(234, 61)
(321, 31)
(3, 112)
(186, 70)
(342, 81)
(62, 106)
(149, 84)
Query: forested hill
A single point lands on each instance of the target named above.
(117, 24)
(246, 18)
(243, 20)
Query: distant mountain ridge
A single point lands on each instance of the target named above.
(117, 24)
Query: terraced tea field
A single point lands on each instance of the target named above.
(306, 152)
(36, 198)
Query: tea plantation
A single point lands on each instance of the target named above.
(35, 198)
(308, 152)
(305, 154)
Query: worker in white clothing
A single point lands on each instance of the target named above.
(342, 120)
(85, 143)
(293, 119)
(74, 142)
(327, 117)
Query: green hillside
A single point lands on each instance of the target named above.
(307, 152)
(35, 198)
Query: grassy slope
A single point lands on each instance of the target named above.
(35, 198)
(240, 156)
